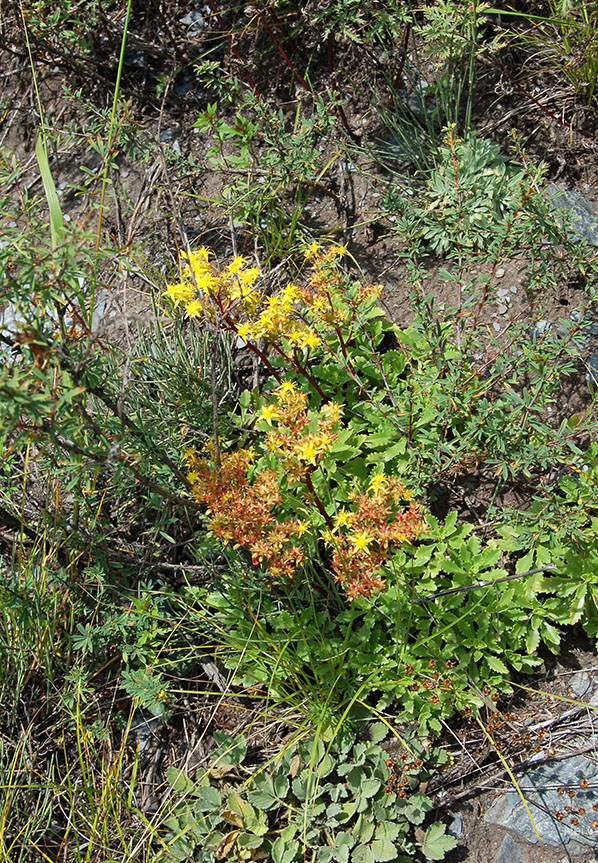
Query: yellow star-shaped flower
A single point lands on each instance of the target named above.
(361, 541)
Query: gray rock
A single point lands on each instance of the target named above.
(580, 684)
(582, 212)
(186, 85)
(456, 826)
(509, 851)
(540, 787)
(592, 370)
(541, 328)
(136, 59)
(194, 23)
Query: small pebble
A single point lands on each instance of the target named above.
(541, 328)
(592, 370)
(502, 309)
(496, 326)
(500, 273)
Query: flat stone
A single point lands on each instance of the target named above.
(194, 22)
(540, 787)
(541, 328)
(509, 851)
(582, 212)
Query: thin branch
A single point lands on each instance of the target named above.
(468, 587)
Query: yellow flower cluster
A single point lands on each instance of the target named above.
(203, 292)
(298, 436)
(298, 319)
(278, 319)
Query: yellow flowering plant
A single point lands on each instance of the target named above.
(303, 491)
(357, 418)
(285, 330)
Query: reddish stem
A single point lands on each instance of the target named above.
(317, 500)
(399, 74)
(542, 107)
(283, 53)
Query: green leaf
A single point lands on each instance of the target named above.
(363, 854)
(229, 750)
(496, 664)
(383, 849)
(207, 799)
(250, 840)
(57, 227)
(369, 787)
(378, 731)
(436, 842)
(387, 830)
(180, 781)
(284, 851)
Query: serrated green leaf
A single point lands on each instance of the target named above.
(378, 731)
(387, 830)
(369, 787)
(362, 854)
(180, 781)
(355, 777)
(496, 664)
(437, 842)
(207, 799)
(364, 829)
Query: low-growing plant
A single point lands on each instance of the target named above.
(469, 196)
(347, 800)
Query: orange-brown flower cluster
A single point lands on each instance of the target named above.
(364, 537)
(241, 511)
